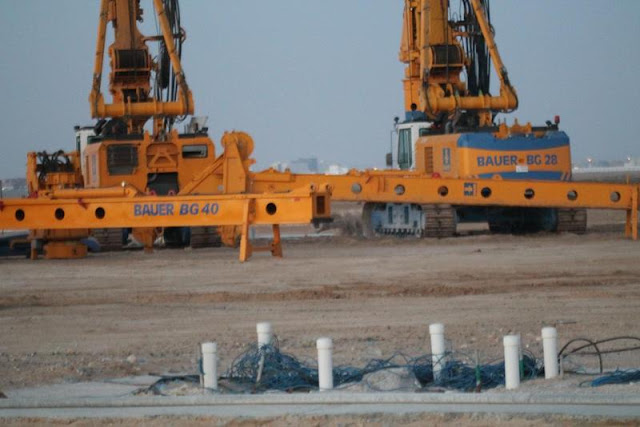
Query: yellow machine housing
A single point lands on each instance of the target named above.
(161, 167)
(542, 156)
(50, 172)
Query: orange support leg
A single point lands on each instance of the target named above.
(146, 236)
(246, 248)
(33, 253)
(245, 245)
(634, 213)
(276, 245)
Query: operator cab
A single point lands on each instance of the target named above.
(83, 134)
(403, 144)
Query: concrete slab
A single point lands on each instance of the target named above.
(279, 410)
(89, 390)
(140, 380)
(100, 400)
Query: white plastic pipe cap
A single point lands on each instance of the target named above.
(324, 343)
(511, 341)
(264, 328)
(209, 347)
(436, 329)
(265, 333)
(549, 332)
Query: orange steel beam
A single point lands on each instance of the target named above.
(296, 207)
(410, 187)
(413, 187)
(80, 211)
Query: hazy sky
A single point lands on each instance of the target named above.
(322, 77)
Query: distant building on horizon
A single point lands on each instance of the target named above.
(310, 165)
(632, 161)
(591, 163)
(13, 187)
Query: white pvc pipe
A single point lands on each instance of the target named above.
(325, 363)
(550, 348)
(265, 334)
(511, 361)
(265, 338)
(438, 349)
(210, 365)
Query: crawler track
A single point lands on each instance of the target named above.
(572, 221)
(437, 221)
(440, 221)
(110, 239)
(205, 237)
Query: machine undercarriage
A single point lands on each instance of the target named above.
(439, 221)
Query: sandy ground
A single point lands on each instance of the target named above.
(118, 314)
(409, 420)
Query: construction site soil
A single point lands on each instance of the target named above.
(129, 313)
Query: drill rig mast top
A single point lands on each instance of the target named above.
(132, 68)
(438, 49)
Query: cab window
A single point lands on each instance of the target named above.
(405, 153)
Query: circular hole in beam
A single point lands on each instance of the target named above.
(399, 190)
(356, 188)
(20, 215)
(443, 191)
(100, 213)
(572, 195)
(271, 208)
(486, 192)
(59, 214)
(529, 193)
(615, 197)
